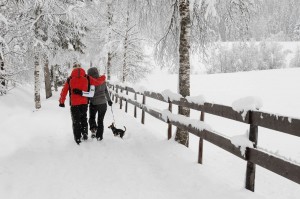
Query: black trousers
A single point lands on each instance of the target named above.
(101, 110)
(79, 119)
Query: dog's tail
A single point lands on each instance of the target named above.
(124, 128)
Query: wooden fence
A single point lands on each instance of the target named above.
(253, 156)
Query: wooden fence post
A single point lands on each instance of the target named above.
(117, 90)
(200, 153)
(169, 124)
(251, 167)
(135, 108)
(143, 112)
(126, 103)
(121, 101)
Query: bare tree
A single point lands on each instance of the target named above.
(125, 73)
(109, 53)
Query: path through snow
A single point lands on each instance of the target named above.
(46, 163)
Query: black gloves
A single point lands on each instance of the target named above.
(77, 91)
(61, 105)
(109, 103)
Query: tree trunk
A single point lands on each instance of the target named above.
(37, 84)
(55, 76)
(109, 54)
(108, 65)
(2, 72)
(184, 66)
(51, 74)
(2, 77)
(124, 65)
(47, 78)
(222, 29)
(124, 75)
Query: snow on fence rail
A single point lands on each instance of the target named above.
(253, 156)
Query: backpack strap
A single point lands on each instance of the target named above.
(70, 91)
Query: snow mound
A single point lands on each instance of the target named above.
(200, 99)
(247, 103)
(168, 94)
(241, 141)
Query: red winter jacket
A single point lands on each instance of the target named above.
(79, 80)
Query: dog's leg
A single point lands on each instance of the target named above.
(122, 134)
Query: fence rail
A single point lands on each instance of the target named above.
(253, 156)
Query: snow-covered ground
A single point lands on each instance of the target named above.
(277, 89)
(39, 159)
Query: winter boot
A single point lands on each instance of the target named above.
(100, 138)
(85, 136)
(93, 133)
(77, 141)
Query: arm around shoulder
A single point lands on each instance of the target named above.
(97, 82)
(90, 93)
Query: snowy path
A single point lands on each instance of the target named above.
(39, 159)
(44, 162)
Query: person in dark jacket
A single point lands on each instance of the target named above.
(79, 104)
(98, 105)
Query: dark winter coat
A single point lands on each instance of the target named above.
(79, 80)
(101, 95)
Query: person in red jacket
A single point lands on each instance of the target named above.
(79, 104)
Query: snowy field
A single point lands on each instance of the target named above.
(39, 159)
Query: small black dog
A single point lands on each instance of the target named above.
(116, 131)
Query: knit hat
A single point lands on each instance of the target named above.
(76, 65)
(93, 72)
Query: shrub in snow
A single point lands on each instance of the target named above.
(271, 56)
(220, 60)
(295, 62)
(246, 57)
(297, 32)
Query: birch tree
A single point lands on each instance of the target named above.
(182, 136)
(37, 49)
(181, 25)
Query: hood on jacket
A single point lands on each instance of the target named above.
(78, 72)
(93, 72)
